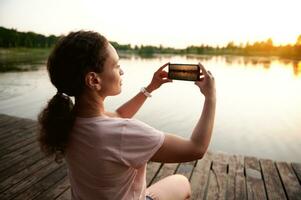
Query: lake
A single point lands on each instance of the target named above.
(258, 101)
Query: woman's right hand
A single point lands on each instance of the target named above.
(207, 83)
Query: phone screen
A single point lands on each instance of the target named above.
(186, 72)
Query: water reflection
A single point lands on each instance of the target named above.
(297, 68)
(258, 107)
(252, 61)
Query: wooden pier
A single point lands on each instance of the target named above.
(26, 174)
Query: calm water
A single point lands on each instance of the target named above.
(258, 107)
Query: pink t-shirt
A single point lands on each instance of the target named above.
(107, 157)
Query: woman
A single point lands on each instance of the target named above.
(107, 153)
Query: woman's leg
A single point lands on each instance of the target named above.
(174, 187)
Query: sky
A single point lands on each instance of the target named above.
(170, 23)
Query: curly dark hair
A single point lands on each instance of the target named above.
(71, 59)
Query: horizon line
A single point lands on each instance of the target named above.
(237, 44)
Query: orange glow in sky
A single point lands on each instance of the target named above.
(170, 23)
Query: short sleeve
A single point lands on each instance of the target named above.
(139, 142)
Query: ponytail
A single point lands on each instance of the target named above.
(55, 123)
(71, 59)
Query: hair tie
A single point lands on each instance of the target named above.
(63, 95)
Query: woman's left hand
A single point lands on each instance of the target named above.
(159, 78)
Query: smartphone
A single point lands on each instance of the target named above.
(185, 72)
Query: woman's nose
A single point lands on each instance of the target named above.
(121, 72)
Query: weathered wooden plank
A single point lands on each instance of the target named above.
(166, 170)
(20, 166)
(4, 116)
(218, 177)
(7, 123)
(23, 185)
(15, 160)
(297, 170)
(8, 127)
(13, 146)
(56, 190)
(25, 173)
(151, 171)
(290, 181)
(236, 186)
(65, 195)
(20, 126)
(19, 135)
(255, 185)
(10, 156)
(47, 182)
(200, 176)
(186, 169)
(272, 180)
(4, 119)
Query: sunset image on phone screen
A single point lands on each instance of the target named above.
(187, 72)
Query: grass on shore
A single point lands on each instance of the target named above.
(22, 59)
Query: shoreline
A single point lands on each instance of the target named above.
(26, 59)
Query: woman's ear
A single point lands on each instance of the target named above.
(93, 81)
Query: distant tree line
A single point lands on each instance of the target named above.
(262, 48)
(12, 38)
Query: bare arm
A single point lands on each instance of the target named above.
(201, 134)
(178, 149)
(131, 107)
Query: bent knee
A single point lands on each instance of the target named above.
(184, 182)
(182, 179)
(176, 187)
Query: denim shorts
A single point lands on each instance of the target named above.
(148, 198)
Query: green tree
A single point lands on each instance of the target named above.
(231, 45)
